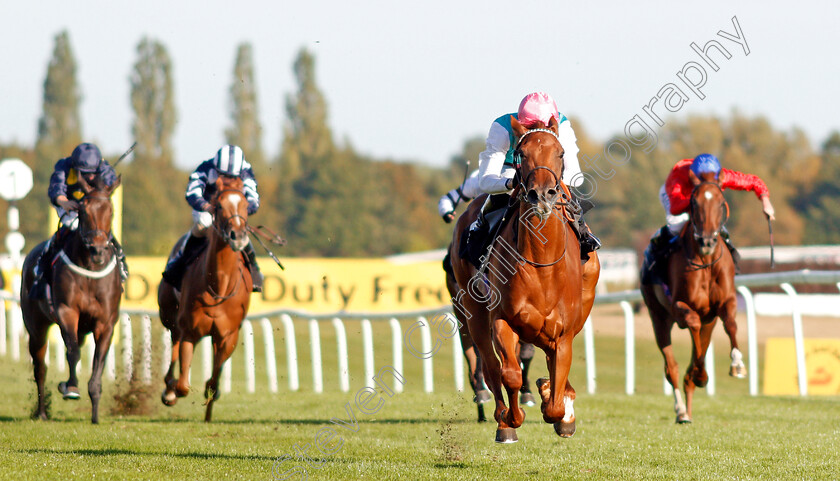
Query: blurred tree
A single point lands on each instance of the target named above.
(818, 199)
(246, 130)
(59, 132)
(152, 183)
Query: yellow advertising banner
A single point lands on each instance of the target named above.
(822, 360)
(318, 286)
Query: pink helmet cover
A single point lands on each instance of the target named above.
(537, 106)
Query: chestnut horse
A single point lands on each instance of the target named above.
(84, 296)
(214, 298)
(532, 287)
(701, 279)
(525, 355)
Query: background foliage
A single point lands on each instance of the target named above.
(330, 200)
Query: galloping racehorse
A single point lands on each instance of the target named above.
(532, 287)
(701, 280)
(214, 298)
(85, 296)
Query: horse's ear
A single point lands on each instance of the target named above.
(518, 129)
(116, 184)
(86, 187)
(695, 181)
(553, 125)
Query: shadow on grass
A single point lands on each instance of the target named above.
(298, 421)
(127, 452)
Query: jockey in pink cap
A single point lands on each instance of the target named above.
(495, 168)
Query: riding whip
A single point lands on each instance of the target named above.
(772, 259)
(126, 154)
(257, 232)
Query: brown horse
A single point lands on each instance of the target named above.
(701, 279)
(532, 286)
(85, 296)
(214, 298)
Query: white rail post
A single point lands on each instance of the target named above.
(315, 346)
(341, 344)
(457, 355)
(629, 348)
(589, 347)
(127, 348)
(226, 375)
(16, 324)
(396, 346)
(206, 357)
(752, 338)
(2, 327)
(798, 338)
(710, 368)
(270, 358)
(146, 352)
(60, 351)
(291, 351)
(367, 347)
(250, 362)
(166, 338)
(110, 364)
(426, 339)
(90, 349)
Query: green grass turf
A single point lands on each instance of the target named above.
(417, 435)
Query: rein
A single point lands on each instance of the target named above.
(85, 272)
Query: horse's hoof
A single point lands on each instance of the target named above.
(565, 429)
(527, 399)
(738, 370)
(168, 398)
(68, 392)
(683, 419)
(506, 436)
(482, 397)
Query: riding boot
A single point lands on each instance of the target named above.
(118, 251)
(256, 275)
(42, 268)
(736, 257)
(588, 241)
(661, 245)
(177, 266)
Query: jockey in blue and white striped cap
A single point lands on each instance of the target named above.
(230, 161)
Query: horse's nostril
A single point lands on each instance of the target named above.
(552, 192)
(532, 196)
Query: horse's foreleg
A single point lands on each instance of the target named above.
(506, 342)
(491, 370)
(696, 376)
(168, 397)
(526, 355)
(38, 350)
(69, 324)
(185, 354)
(554, 410)
(662, 326)
(737, 367)
(222, 349)
(103, 344)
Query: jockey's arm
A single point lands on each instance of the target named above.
(492, 176)
(249, 187)
(195, 190)
(571, 164)
(732, 179)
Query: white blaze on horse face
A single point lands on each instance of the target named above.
(234, 201)
(708, 195)
(570, 409)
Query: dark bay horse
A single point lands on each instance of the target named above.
(214, 298)
(85, 296)
(533, 286)
(701, 279)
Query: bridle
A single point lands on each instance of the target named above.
(217, 206)
(692, 218)
(559, 186)
(87, 235)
